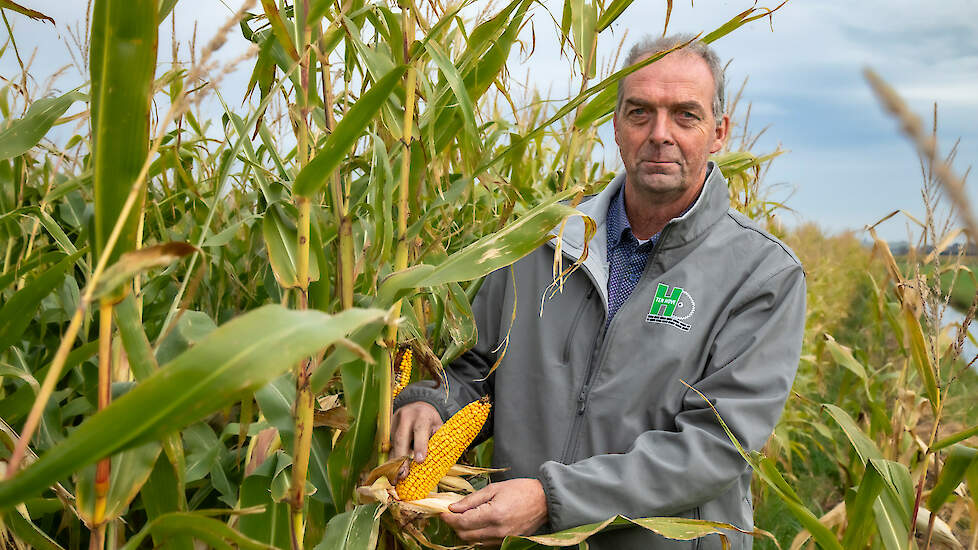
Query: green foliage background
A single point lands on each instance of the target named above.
(386, 168)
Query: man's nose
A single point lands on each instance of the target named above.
(661, 131)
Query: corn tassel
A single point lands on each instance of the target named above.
(444, 449)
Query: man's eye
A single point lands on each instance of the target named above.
(638, 111)
(689, 115)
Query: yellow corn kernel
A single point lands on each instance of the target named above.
(444, 449)
(403, 374)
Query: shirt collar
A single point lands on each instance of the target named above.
(617, 218)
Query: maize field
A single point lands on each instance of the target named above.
(204, 318)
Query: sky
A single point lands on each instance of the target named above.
(846, 165)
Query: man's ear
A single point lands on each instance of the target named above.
(720, 134)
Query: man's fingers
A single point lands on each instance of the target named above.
(404, 470)
(402, 436)
(421, 433)
(474, 500)
(472, 520)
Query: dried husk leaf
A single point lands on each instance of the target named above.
(337, 418)
(455, 484)
(383, 492)
(463, 470)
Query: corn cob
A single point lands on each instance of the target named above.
(444, 449)
(403, 374)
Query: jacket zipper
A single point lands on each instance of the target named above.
(576, 321)
(593, 368)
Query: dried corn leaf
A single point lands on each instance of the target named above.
(336, 417)
(463, 470)
(455, 484)
(382, 491)
(386, 470)
(941, 532)
(327, 402)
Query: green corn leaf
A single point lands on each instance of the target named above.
(669, 527)
(480, 72)
(603, 104)
(129, 471)
(18, 312)
(35, 15)
(317, 9)
(952, 474)
(737, 21)
(236, 359)
(454, 79)
(123, 61)
(275, 401)
(56, 232)
(211, 531)
(25, 530)
(573, 104)
(279, 29)
(313, 177)
(485, 255)
(611, 13)
(138, 350)
(859, 510)
(921, 358)
(584, 16)
(229, 232)
(353, 530)
(137, 261)
(24, 133)
(955, 438)
(363, 337)
(893, 534)
(971, 478)
(861, 443)
(36, 259)
(361, 386)
(166, 7)
(485, 35)
(272, 525)
(893, 505)
(281, 241)
(191, 328)
(843, 357)
(768, 472)
(161, 494)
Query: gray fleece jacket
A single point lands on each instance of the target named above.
(602, 417)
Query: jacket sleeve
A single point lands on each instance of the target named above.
(466, 375)
(752, 365)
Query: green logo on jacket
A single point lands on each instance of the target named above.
(671, 307)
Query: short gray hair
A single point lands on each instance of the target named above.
(649, 46)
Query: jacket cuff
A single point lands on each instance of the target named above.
(554, 522)
(425, 391)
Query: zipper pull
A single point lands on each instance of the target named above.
(582, 400)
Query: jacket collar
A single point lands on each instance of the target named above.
(713, 202)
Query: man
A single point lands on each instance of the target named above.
(591, 416)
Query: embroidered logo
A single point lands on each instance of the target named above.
(671, 307)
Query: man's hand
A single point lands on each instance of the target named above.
(513, 507)
(411, 427)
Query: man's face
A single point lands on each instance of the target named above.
(665, 128)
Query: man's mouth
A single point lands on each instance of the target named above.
(659, 164)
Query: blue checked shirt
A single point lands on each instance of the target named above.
(626, 256)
